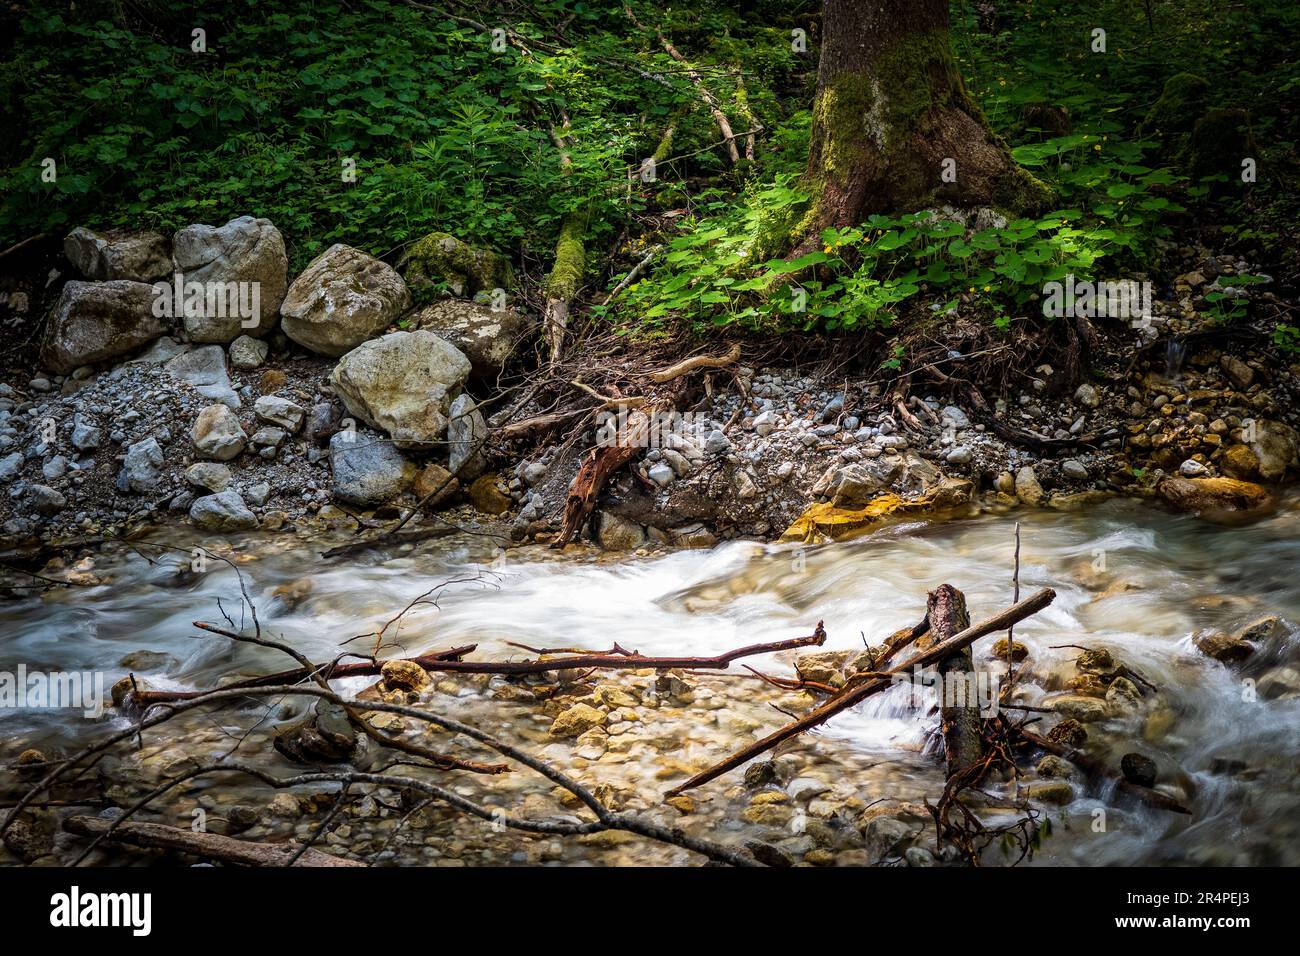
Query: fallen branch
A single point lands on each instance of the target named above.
(792, 683)
(686, 366)
(635, 271)
(606, 661)
(22, 244)
(910, 420)
(605, 818)
(333, 670)
(210, 846)
(715, 108)
(610, 401)
(537, 424)
(873, 685)
(312, 672)
(1028, 439)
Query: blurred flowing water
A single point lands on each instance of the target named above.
(1130, 578)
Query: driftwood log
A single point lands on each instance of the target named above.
(334, 670)
(210, 846)
(614, 659)
(630, 441)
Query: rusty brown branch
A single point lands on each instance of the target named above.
(851, 696)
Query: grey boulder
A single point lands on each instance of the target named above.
(224, 511)
(247, 352)
(367, 470)
(204, 370)
(280, 411)
(141, 467)
(94, 322)
(467, 434)
(244, 250)
(118, 254)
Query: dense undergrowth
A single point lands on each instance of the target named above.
(453, 129)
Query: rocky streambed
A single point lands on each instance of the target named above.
(780, 496)
(1202, 615)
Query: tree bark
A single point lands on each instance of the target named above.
(891, 109)
(960, 724)
(564, 280)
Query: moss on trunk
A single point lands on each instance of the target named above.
(570, 259)
(565, 279)
(892, 115)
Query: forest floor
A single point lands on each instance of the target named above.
(785, 425)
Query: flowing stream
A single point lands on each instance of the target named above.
(1130, 578)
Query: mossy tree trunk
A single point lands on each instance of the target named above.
(892, 115)
(564, 280)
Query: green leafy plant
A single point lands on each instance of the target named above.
(859, 277)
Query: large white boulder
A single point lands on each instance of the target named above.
(402, 383)
(342, 298)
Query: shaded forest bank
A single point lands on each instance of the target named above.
(629, 380)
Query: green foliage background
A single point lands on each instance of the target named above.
(449, 134)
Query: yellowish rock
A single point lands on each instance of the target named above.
(1216, 499)
(435, 478)
(681, 803)
(1083, 709)
(768, 814)
(487, 497)
(616, 697)
(405, 675)
(577, 720)
(1053, 791)
(825, 520)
